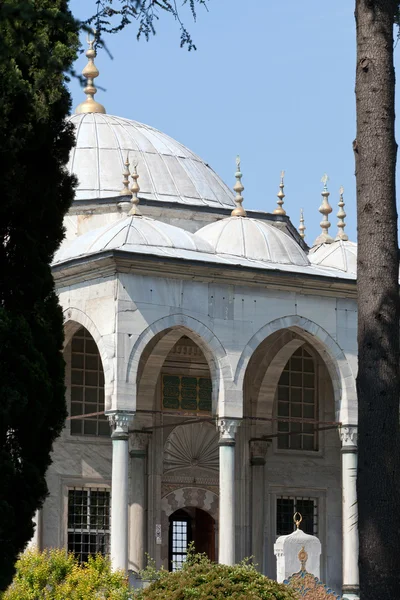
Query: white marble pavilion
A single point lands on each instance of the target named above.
(219, 347)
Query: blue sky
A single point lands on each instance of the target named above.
(271, 81)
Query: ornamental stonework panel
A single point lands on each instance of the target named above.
(307, 586)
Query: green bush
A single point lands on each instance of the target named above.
(55, 575)
(200, 579)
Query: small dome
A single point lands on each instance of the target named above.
(340, 255)
(254, 240)
(131, 234)
(169, 172)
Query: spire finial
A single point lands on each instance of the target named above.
(90, 72)
(125, 190)
(280, 210)
(135, 190)
(238, 188)
(125, 203)
(341, 235)
(302, 227)
(325, 209)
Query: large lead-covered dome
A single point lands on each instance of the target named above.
(169, 171)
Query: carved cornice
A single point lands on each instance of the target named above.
(348, 436)
(227, 429)
(119, 422)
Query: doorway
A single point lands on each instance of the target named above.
(190, 525)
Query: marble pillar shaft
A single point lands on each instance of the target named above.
(349, 513)
(120, 421)
(137, 503)
(228, 428)
(258, 451)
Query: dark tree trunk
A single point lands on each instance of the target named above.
(378, 388)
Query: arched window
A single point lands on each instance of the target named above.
(297, 399)
(87, 387)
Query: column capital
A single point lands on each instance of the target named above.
(138, 442)
(227, 430)
(348, 436)
(119, 422)
(258, 450)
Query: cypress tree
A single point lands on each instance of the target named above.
(38, 43)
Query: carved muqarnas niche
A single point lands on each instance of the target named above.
(192, 445)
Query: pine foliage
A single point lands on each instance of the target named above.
(38, 44)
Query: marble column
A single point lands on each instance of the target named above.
(120, 421)
(227, 428)
(137, 501)
(348, 436)
(258, 453)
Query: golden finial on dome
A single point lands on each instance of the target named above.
(90, 72)
(325, 209)
(297, 519)
(238, 188)
(302, 227)
(280, 210)
(341, 235)
(135, 190)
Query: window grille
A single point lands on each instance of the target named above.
(179, 540)
(88, 522)
(287, 506)
(297, 400)
(87, 386)
(186, 393)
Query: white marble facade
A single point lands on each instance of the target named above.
(156, 300)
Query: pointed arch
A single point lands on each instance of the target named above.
(343, 380)
(74, 318)
(161, 336)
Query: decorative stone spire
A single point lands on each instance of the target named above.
(238, 188)
(90, 72)
(125, 204)
(135, 190)
(302, 227)
(125, 190)
(325, 209)
(280, 210)
(341, 235)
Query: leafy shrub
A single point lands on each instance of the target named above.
(200, 579)
(55, 575)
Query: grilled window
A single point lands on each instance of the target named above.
(88, 522)
(87, 387)
(297, 400)
(186, 393)
(287, 506)
(179, 539)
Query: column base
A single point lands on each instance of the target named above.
(351, 592)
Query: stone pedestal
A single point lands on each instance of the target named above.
(137, 501)
(227, 428)
(287, 548)
(350, 588)
(120, 421)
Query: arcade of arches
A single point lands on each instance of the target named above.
(284, 457)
